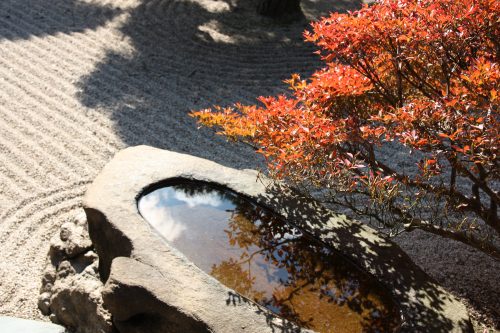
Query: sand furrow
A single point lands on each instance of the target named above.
(158, 139)
(26, 204)
(34, 156)
(158, 13)
(106, 33)
(67, 109)
(25, 168)
(12, 186)
(14, 237)
(29, 263)
(40, 127)
(109, 80)
(168, 130)
(43, 147)
(262, 65)
(49, 110)
(14, 222)
(73, 54)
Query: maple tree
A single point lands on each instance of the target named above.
(421, 77)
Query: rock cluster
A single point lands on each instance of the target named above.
(71, 292)
(151, 287)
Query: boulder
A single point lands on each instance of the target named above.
(71, 292)
(152, 287)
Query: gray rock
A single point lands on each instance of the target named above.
(72, 239)
(132, 280)
(71, 292)
(75, 236)
(76, 302)
(44, 303)
(151, 287)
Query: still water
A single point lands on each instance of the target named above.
(253, 251)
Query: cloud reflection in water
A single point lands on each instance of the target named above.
(160, 217)
(157, 209)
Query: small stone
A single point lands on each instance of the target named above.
(65, 232)
(65, 268)
(71, 287)
(53, 318)
(44, 303)
(46, 287)
(79, 242)
(91, 255)
(81, 219)
(49, 275)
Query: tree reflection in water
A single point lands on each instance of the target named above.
(275, 264)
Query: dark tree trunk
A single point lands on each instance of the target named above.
(280, 9)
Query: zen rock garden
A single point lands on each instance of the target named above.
(169, 242)
(251, 166)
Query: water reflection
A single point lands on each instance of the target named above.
(252, 251)
(160, 217)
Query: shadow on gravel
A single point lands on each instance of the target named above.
(22, 19)
(192, 55)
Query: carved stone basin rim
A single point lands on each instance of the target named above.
(149, 285)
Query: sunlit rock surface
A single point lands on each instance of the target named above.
(151, 286)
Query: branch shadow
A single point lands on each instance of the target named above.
(275, 324)
(410, 286)
(23, 19)
(193, 54)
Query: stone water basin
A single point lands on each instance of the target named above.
(252, 250)
(219, 239)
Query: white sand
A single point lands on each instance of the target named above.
(80, 80)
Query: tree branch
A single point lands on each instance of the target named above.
(460, 236)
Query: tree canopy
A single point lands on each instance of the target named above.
(420, 76)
